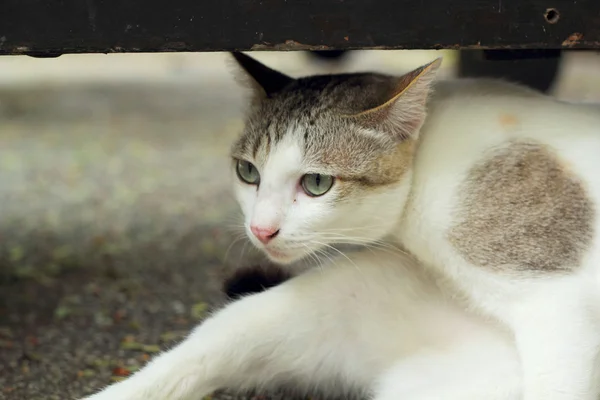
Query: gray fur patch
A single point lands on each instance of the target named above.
(522, 209)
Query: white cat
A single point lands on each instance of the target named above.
(495, 195)
(497, 189)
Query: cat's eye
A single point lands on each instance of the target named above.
(316, 184)
(247, 172)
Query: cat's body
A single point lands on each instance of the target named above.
(505, 203)
(495, 196)
(511, 192)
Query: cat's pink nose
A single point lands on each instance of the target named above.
(264, 234)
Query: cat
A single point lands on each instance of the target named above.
(309, 173)
(491, 184)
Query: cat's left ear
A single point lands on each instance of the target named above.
(264, 81)
(401, 111)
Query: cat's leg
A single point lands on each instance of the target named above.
(289, 333)
(558, 339)
(255, 341)
(476, 370)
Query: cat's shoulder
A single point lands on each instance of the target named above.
(483, 87)
(489, 96)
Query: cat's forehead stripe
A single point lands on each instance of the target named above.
(263, 139)
(284, 160)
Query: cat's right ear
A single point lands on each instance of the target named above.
(263, 80)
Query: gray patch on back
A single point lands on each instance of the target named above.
(522, 209)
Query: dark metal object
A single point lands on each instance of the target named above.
(54, 27)
(329, 55)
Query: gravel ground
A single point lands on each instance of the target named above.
(112, 229)
(116, 218)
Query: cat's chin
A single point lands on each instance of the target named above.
(282, 258)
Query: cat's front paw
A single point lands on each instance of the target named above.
(115, 396)
(144, 388)
(122, 391)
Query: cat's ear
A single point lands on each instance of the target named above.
(401, 107)
(263, 80)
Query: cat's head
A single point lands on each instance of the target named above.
(326, 160)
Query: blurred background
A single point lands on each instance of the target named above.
(116, 219)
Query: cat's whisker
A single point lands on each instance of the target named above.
(336, 235)
(363, 243)
(314, 256)
(369, 243)
(357, 228)
(323, 253)
(235, 227)
(339, 252)
(344, 239)
(236, 240)
(243, 251)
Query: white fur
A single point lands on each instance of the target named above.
(383, 329)
(555, 318)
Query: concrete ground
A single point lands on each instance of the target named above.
(116, 218)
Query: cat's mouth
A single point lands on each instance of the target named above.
(288, 254)
(276, 253)
(284, 253)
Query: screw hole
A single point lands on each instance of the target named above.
(552, 15)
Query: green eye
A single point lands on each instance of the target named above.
(316, 184)
(247, 172)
